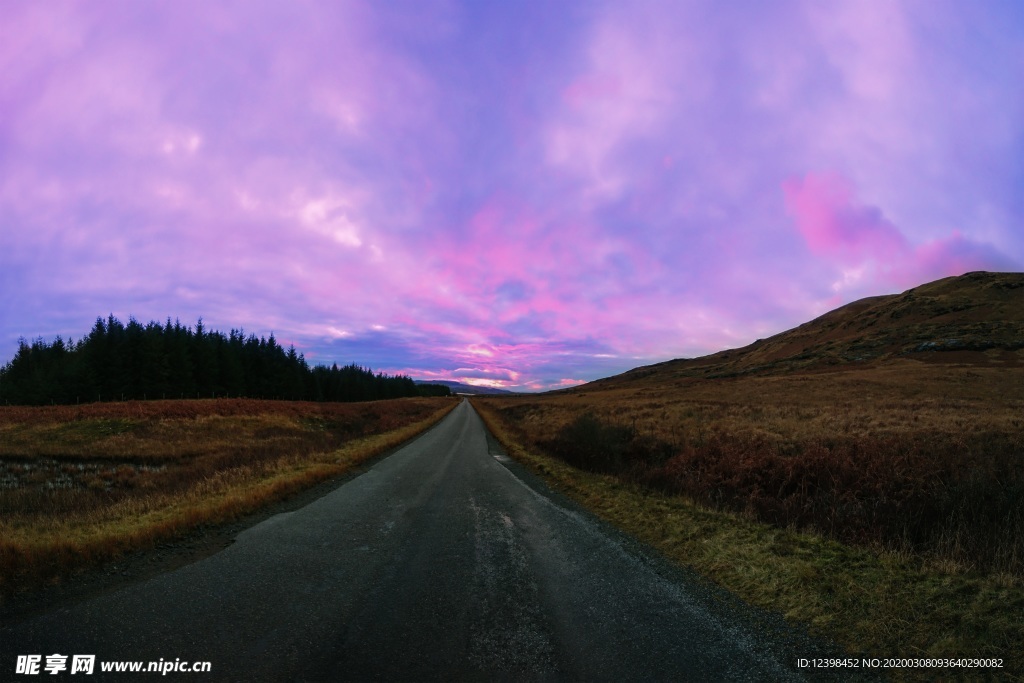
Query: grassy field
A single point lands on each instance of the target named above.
(80, 485)
(882, 504)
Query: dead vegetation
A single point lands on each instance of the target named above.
(875, 603)
(80, 485)
(881, 505)
(899, 455)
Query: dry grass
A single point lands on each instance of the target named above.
(978, 317)
(881, 505)
(81, 485)
(915, 457)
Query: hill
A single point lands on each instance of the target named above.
(460, 388)
(849, 472)
(976, 318)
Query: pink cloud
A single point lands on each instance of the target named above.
(488, 373)
(859, 242)
(835, 225)
(958, 254)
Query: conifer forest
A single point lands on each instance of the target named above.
(121, 362)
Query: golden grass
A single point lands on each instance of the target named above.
(918, 457)
(219, 461)
(876, 595)
(895, 397)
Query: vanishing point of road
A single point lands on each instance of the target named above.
(444, 561)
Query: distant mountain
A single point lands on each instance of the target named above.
(460, 388)
(975, 318)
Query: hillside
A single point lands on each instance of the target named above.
(929, 382)
(976, 318)
(460, 388)
(852, 471)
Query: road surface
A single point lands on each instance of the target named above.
(442, 562)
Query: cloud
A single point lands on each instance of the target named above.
(504, 374)
(558, 190)
(835, 225)
(958, 254)
(865, 247)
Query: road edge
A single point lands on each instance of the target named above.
(141, 565)
(783, 637)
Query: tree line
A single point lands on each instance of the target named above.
(118, 362)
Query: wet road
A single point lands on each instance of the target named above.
(439, 563)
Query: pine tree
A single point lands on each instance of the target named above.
(172, 361)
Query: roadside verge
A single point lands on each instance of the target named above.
(53, 562)
(875, 604)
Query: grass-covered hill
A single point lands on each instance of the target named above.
(976, 318)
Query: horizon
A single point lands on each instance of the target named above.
(527, 197)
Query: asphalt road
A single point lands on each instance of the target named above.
(442, 562)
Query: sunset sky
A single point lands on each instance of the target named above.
(522, 194)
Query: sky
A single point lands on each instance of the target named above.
(527, 195)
